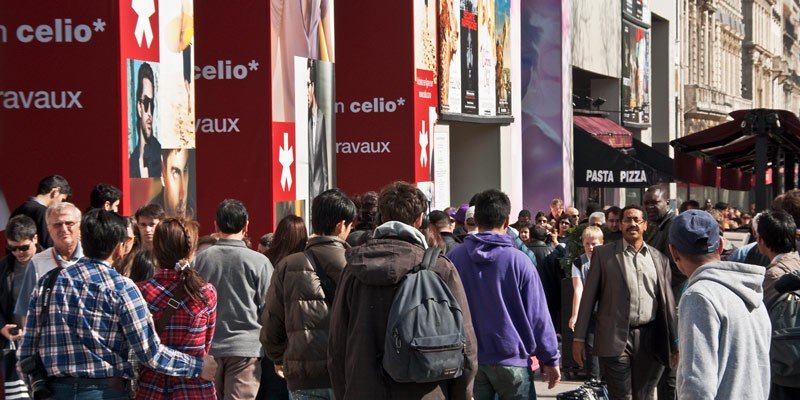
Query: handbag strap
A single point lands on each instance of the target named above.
(45, 296)
(328, 287)
(173, 304)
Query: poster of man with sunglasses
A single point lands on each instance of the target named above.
(145, 149)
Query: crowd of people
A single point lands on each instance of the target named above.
(97, 305)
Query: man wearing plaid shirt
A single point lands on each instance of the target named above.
(95, 316)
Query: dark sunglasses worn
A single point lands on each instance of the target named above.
(147, 103)
(23, 247)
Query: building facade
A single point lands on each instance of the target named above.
(711, 40)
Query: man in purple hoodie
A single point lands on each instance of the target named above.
(509, 311)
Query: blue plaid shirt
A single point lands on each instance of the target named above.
(96, 315)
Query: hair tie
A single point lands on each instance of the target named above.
(181, 265)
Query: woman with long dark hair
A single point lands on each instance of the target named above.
(187, 328)
(290, 237)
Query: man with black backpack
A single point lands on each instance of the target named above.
(511, 319)
(297, 311)
(366, 363)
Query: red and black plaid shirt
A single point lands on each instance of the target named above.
(189, 331)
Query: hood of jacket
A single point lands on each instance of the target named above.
(487, 247)
(744, 280)
(394, 250)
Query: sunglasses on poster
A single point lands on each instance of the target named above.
(147, 103)
(23, 247)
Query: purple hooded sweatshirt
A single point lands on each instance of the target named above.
(505, 296)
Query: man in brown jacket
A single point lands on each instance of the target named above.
(364, 297)
(635, 331)
(296, 315)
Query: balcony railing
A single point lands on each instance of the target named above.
(705, 100)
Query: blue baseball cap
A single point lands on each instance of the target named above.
(694, 232)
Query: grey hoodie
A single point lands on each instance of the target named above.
(724, 332)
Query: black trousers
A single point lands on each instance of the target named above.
(635, 373)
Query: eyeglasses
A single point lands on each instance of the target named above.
(633, 221)
(22, 247)
(68, 224)
(147, 103)
(564, 223)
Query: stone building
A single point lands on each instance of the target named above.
(712, 38)
(787, 94)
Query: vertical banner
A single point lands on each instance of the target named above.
(635, 74)
(441, 169)
(450, 55)
(469, 57)
(487, 58)
(503, 51)
(302, 44)
(159, 104)
(425, 101)
(233, 112)
(546, 116)
(375, 130)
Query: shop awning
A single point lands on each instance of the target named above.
(604, 129)
(732, 148)
(732, 144)
(596, 164)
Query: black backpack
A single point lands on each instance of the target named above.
(784, 352)
(425, 340)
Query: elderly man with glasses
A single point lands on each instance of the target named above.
(64, 226)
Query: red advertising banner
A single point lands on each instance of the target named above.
(375, 129)
(424, 120)
(232, 71)
(58, 96)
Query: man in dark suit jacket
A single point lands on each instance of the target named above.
(317, 139)
(635, 335)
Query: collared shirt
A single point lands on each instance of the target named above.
(40, 264)
(95, 316)
(640, 272)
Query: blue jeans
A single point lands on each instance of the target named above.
(97, 391)
(311, 394)
(508, 383)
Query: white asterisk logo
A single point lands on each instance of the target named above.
(286, 158)
(253, 64)
(99, 25)
(143, 30)
(401, 101)
(423, 144)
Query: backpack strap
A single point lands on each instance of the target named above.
(328, 287)
(44, 296)
(174, 303)
(429, 259)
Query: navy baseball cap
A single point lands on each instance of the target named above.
(694, 232)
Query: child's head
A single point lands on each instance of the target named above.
(592, 236)
(525, 233)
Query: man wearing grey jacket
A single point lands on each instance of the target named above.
(724, 328)
(241, 277)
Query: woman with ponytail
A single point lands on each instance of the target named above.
(184, 308)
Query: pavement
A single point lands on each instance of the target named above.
(542, 392)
